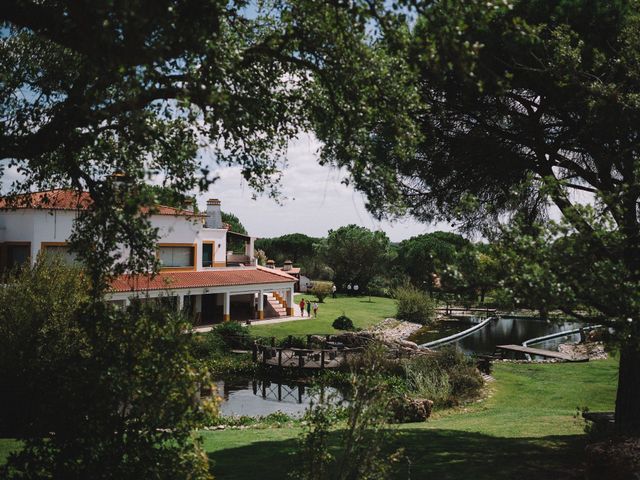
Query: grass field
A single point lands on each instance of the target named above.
(363, 311)
(525, 429)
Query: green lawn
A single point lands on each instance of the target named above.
(525, 429)
(363, 311)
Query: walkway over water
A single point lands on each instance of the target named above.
(540, 352)
(302, 358)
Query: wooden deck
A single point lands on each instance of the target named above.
(540, 352)
(301, 358)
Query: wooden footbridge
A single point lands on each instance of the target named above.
(302, 358)
(540, 352)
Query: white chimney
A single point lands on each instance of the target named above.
(214, 215)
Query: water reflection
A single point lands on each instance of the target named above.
(510, 330)
(254, 397)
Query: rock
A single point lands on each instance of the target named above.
(591, 350)
(409, 410)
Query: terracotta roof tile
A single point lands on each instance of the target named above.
(73, 200)
(213, 278)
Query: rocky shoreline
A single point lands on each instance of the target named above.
(390, 330)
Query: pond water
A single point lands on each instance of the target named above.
(506, 330)
(253, 397)
(256, 397)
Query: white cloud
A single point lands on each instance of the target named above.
(315, 200)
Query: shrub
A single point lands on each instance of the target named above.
(321, 290)
(234, 335)
(293, 341)
(343, 323)
(208, 345)
(427, 379)
(414, 305)
(447, 377)
(105, 380)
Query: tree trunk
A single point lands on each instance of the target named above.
(627, 417)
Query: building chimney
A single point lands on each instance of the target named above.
(271, 264)
(288, 264)
(214, 215)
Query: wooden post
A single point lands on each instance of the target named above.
(300, 361)
(280, 358)
(254, 349)
(321, 359)
(264, 355)
(308, 341)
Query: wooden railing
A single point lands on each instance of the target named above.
(301, 358)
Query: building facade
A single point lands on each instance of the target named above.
(198, 274)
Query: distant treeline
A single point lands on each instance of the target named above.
(442, 263)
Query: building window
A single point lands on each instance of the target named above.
(177, 256)
(207, 254)
(18, 255)
(63, 252)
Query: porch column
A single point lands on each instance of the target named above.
(197, 308)
(226, 307)
(180, 303)
(261, 305)
(290, 309)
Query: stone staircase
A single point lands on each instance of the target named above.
(274, 306)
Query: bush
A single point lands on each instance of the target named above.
(447, 377)
(208, 345)
(343, 323)
(427, 379)
(414, 305)
(293, 341)
(321, 290)
(234, 335)
(105, 380)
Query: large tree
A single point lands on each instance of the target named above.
(356, 255)
(516, 108)
(104, 96)
(141, 88)
(294, 246)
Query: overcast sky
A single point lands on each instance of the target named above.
(315, 200)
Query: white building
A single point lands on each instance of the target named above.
(197, 273)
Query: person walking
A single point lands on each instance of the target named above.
(333, 291)
(308, 308)
(315, 310)
(302, 307)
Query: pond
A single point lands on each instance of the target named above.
(506, 330)
(252, 397)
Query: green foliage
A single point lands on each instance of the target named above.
(296, 247)
(343, 323)
(234, 335)
(135, 371)
(362, 441)
(321, 290)
(356, 255)
(209, 345)
(413, 305)
(446, 376)
(234, 222)
(40, 339)
(510, 111)
(293, 341)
